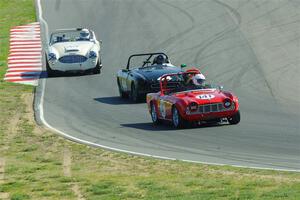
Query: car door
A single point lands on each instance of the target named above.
(164, 105)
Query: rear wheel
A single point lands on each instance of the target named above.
(235, 119)
(177, 120)
(153, 113)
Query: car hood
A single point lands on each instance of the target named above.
(204, 96)
(67, 48)
(152, 74)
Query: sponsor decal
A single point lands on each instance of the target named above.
(162, 109)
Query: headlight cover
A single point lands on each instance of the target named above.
(52, 56)
(92, 54)
(227, 103)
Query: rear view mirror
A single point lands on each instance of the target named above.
(183, 65)
(220, 87)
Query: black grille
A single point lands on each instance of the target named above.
(72, 59)
(217, 107)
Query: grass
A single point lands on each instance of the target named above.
(37, 165)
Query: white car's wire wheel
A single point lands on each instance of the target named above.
(50, 72)
(235, 119)
(153, 113)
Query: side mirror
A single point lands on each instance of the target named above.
(220, 87)
(183, 65)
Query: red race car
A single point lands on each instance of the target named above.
(183, 99)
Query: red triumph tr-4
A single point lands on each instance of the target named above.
(182, 100)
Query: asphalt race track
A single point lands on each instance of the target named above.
(250, 47)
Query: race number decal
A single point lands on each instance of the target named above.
(162, 109)
(206, 96)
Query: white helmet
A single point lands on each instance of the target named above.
(198, 79)
(84, 34)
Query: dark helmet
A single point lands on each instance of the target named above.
(160, 59)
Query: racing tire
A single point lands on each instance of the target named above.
(153, 113)
(177, 121)
(122, 94)
(234, 119)
(50, 72)
(97, 69)
(134, 94)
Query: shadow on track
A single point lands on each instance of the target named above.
(165, 126)
(116, 100)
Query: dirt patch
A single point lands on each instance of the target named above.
(3, 195)
(29, 114)
(67, 162)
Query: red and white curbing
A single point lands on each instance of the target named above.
(25, 55)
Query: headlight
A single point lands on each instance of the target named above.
(227, 103)
(51, 56)
(92, 54)
(193, 107)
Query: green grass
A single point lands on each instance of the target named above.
(34, 156)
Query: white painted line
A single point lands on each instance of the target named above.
(24, 64)
(26, 43)
(24, 39)
(24, 57)
(25, 69)
(24, 61)
(23, 73)
(25, 53)
(26, 50)
(27, 46)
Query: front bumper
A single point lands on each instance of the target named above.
(89, 64)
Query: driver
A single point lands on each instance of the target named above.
(198, 79)
(84, 34)
(159, 60)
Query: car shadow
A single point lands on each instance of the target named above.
(166, 126)
(44, 74)
(115, 100)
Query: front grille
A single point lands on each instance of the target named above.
(216, 107)
(72, 59)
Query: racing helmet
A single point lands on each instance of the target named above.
(198, 79)
(160, 59)
(84, 34)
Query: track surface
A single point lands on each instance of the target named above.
(250, 47)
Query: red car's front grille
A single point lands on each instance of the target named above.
(216, 107)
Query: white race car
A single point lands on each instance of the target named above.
(73, 50)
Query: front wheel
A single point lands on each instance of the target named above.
(121, 93)
(177, 120)
(50, 72)
(134, 94)
(235, 119)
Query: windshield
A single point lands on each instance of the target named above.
(182, 82)
(69, 36)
